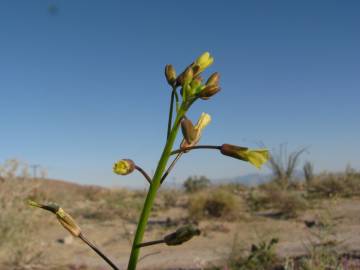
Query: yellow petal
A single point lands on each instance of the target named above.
(204, 60)
(203, 121)
(258, 157)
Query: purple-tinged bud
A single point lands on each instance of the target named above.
(232, 150)
(209, 91)
(213, 79)
(188, 130)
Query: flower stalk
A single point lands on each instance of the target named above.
(155, 184)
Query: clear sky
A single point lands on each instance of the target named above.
(84, 86)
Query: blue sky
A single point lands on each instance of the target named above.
(84, 87)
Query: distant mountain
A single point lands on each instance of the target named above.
(251, 179)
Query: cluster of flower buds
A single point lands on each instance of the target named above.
(124, 167)
(181, 235)
(191, 81)
(191, 133)
(64, 218)
(257, 157)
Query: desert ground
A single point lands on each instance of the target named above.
(305, 225)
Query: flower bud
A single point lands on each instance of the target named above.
(124, 167)
(209, 91)
(204, 61)
(188, 130)
(181, 235)
(188, 75)
(196, 68)
(213, 79)
(256, 157)
(170, 74)
(203, 121)
(196, 82)
(185, 77)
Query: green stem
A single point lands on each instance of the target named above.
(155, 184)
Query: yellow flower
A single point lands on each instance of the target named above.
(124, 167)
(204, 61)
(203, 121)
(256, 157)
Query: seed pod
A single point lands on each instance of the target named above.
(181, 235)
(68, 222)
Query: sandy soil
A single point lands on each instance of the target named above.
(212, 247)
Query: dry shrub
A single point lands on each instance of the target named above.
(286, 203)
(345, 184)
(168, 198)
(17, 222)
(289, 204)
(283, 165)
(214, 203)
(116, 203)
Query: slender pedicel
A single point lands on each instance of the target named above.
(185, 149)
(98, 251)
(170, 167)
(147, 177)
